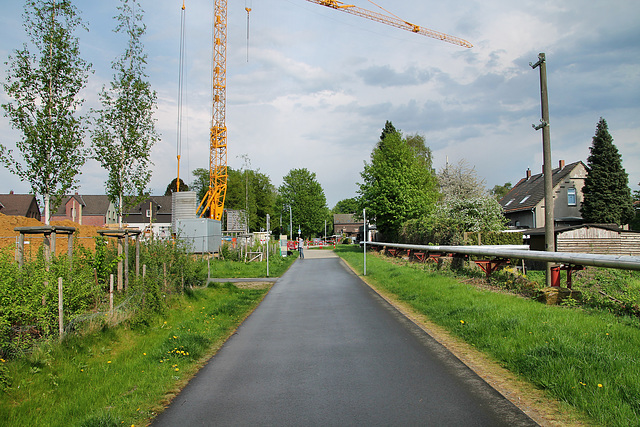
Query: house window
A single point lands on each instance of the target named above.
(148, 213)
(571, 197)
(509, 202)
(525, 198)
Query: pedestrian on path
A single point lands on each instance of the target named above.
(300, 245)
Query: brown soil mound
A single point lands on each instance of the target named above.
(8, 236)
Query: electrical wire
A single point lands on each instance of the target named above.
(180, 91)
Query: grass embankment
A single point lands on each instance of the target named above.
(120, 375)
(589, 359)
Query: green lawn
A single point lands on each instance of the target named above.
(119, 375)
(233, 269)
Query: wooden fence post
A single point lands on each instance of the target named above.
(47, 250)
(126, 261)
(20, 254)
(53, 242)
(144, 291)
(137, 255)
(70, 246)
(119, 264)
(60, 309)
(111, 293)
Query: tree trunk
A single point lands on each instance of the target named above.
(46, 209)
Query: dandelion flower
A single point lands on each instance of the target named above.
(144, 354)
(462, 322)
(109, 361)
(177, 369)
(600, 385)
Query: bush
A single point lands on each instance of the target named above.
(424, 231)
(493, 238)
(229, 253)
(29, 295)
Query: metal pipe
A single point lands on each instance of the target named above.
(624, 262)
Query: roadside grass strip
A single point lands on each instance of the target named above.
(278, 265)
(588, 359)
(121, 375)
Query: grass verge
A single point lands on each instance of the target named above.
(588, 359)
(118, 375)
(235, 269)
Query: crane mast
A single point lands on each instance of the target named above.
(213, 202)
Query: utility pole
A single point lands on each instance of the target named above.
(364, 233)
(549, 227)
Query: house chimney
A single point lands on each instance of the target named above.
(11, 192)
(528, 173)
(561, 164)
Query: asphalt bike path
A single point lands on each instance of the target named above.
(323, 349)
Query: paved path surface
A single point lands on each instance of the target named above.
(324, 350)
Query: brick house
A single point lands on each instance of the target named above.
(346, 225)
(95, 210)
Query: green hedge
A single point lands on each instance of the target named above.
(492, 238)
(422, 232)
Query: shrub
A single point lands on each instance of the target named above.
(29, 295)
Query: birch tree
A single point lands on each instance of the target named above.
(125, 128)
(43, 83)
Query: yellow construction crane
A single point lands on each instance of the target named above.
(392, 20)
(213, 202)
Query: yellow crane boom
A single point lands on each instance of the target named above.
(394, 21)
(213, 202)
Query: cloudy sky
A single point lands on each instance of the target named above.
(313, 87)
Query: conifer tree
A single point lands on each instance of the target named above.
(607, 197)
